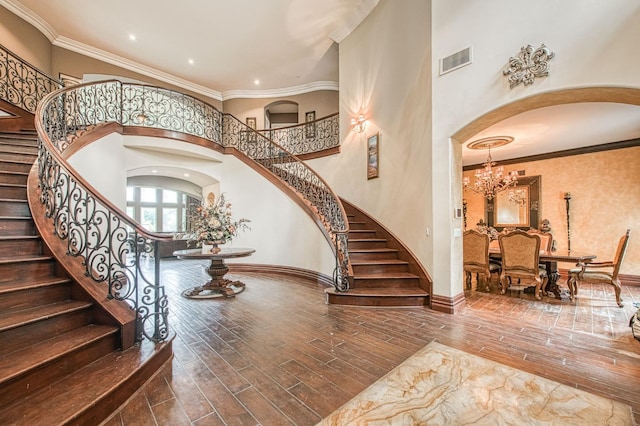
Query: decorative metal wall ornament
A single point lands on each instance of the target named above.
(528, 65)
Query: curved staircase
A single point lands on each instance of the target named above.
(385, 273)
(54, 342)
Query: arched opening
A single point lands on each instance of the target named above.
(584, 174)
(280, 114)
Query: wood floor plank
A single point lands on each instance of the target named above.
(277, 344)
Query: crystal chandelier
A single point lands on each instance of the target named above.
(489, 181)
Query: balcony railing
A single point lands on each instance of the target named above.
(22, 84)
(311, 137)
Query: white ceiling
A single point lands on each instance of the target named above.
(558, 128)
(282, 43)
(290, 46)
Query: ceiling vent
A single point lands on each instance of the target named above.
(455, 61)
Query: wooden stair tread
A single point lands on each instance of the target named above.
(373, 250)
(15, 319)
(87, 386)
(385, 276)
(18, 362)
(25, 258)
(13, 200)
(11, 286)
(366, 240)
(12, 185)
(382, 292)
(16, 217)
(6, 160)
(379, 262)
(9, 172)
(19, 237)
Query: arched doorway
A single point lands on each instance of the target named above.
(280, 114)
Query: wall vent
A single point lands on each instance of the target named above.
(455, 61)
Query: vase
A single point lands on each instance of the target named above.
(214, 245)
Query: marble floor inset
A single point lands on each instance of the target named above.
(441, 385)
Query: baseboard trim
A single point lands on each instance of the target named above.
(448, 305)
(289, 271)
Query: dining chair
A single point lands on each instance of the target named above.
(520, 253)
(591, 271)
(546, 239)
(476, 258)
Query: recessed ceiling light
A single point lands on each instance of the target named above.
(186, 175)
(191, 62)
(132, 37)
(256, 82)
(154, 171)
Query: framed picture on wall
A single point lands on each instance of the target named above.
(310, 129)
(251, 122)
(373, 152)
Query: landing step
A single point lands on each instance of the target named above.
(384, 292)
(39, 313)
(32, 357)
(98, 389)
(386, 276)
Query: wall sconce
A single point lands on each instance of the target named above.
(358, 124)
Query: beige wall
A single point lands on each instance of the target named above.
(323, 102)
(25, 40)
(605, 196)
(72, 63)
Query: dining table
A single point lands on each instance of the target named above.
(550, 259)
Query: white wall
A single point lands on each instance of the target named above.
(389, 70)
(594, 44)
(385, 73)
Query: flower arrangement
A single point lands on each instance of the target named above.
(212, 221)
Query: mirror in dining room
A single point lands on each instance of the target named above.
(517, 207)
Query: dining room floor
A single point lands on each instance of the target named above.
(277, 354)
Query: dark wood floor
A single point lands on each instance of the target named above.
(276, 354)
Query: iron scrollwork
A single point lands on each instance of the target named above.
(528, 64)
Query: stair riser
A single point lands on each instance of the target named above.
(17, 227)
(13, 192)
(20, 247)
(358, 226)
(37, 378)
(11, 166)
(346, 299)
(25, 271)
(357, 235)
(373, 256)
(24, 299)
(16, 156)
(14, 178)
(374, 268)
(367, 244)
(385, 283)
(29, 334)
(14, 208)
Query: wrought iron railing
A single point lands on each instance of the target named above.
(301, 178)
(22, 84)
(313, 136)
(111, 244)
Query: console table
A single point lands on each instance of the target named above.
(218, 286)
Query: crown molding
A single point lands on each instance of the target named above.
(31, 17)
(352, 22)
(85, 49)
(276, 93)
